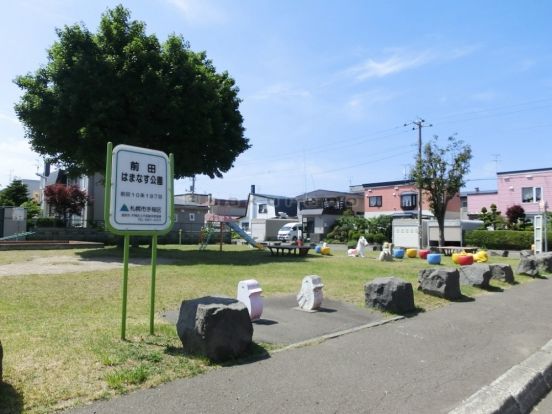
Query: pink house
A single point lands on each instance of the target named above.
(400, 198)
(531, 189)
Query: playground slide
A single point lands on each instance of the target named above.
(236, 227)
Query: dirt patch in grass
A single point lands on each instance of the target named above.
(51, 265)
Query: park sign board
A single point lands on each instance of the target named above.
(139, 200)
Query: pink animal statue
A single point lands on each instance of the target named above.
(360, 247)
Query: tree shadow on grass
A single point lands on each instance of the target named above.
(177, 257)
(11, 401)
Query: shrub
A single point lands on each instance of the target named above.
(502, 239)
(49, 222)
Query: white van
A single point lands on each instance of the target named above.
(290, 232)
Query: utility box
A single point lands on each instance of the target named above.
(310, 296)
(249, 293)
(13, 220)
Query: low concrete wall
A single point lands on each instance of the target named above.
(101, 236)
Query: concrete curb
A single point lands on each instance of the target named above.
(516, 391)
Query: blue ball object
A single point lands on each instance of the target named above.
(398, 253)
(434, 258)
(317, 249)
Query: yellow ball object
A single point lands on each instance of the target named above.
(411, 253)
(481, 257)
(325, 251)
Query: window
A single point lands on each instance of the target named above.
(531, 194)
(191, 216)
(409, 201)
(263, 208)
(374, 201)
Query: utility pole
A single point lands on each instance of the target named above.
(419, 124)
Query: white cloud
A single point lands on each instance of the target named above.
(18, 160)
(399, 60)
(199, 11)
(11, 119)
(280, 91)
(394, 64)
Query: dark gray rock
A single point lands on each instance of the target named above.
(502, 272)
(390, 294)
(544, 262)
(501, 253)
(444, 283)
(1, 358)
(528, 266)
(219, 328)
(476, 275)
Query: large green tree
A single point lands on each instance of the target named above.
(15, 194)
(440, 174)
(122, 85)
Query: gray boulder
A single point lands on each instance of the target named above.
(476, 275)
(502, 272)
(544, 262)
(219, 328)
(528, 266)
(526, 253)
(390, 294)
(444, 283)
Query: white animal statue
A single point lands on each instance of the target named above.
(386, 254)
(360, 247)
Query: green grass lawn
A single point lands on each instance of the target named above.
(61, 332)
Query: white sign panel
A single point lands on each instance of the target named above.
(18, 214)
(139, 189)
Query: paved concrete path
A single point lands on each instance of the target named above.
(282, 323)
(426, 364)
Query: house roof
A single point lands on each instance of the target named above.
(524, 171)
(324, 194)
(189, 204)
(388, 183)
(270, 196)
(480, 192)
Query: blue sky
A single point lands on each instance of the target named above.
(328, 85)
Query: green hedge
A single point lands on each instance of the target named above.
(502, 239)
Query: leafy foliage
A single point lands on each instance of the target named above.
(14, 194)
(124, 86)
(516, 217)
(33, 208)
(502, 239)
(349, 227)
(440, 173)
(66, 200)
(492, 218)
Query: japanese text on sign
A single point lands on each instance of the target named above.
(139, 189)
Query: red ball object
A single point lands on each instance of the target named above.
(464, 260)
(423, 253)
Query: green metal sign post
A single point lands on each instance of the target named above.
(139, 201)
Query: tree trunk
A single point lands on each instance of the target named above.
(441, 222)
